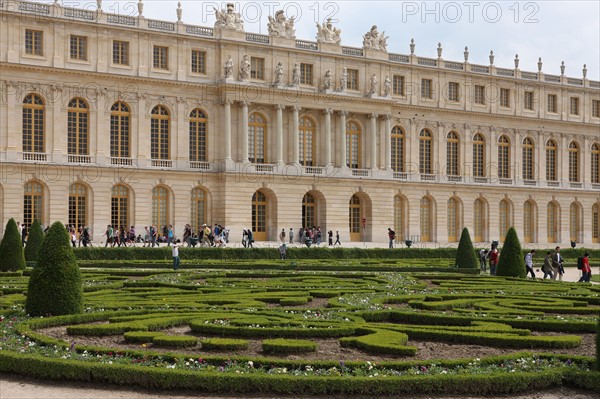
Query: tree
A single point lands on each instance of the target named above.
(511, 263)
(465, 254)
(11, 249)
(55, 286)
(34, 241)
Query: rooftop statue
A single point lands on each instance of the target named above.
(228, 19)
(328, 34)
(375, 40)
(281, 26)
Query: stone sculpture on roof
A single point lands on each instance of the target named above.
(374, 40)
(281, 26)
(228, 19)
(327, 33)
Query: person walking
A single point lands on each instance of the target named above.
(250, 238)
(291, 235)
(483, 256)
(109, 235)
(586, 270)
(557, 262)
(175, 251)
(337, 238)
(169, 235)
(494, 256)
(330, 238)
(392, 237)
(282, 236)
(547, 267)
(529, 263)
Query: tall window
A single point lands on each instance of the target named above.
(479, 220)
(574, 106)
(552, 103)
(160, 207)
(306, 74)
(426, 88)
(353, 145)
(479, 96)
(33, 203)
(552, 222)
(34, 42)
(120, 52)
(257, 68)
(306, 132)
(426, 219)
(397, 149)
(355, 215)
(551, 160)
(77, 205)
(573, 162)
(398, 85)
(425, 152)
(119, 209)
(400, 217)
(119, 130)
(528, 167)
(199, 209)
(453, 89)
(596, 163)
(198, 136)
(528, 100)
(259, 215)
(257, 132)
(352, 83)
(78, 127)
(78, 48)
(505, 218)
(160, 57)
(33, 124)
(453, 220)
(596, 222)
(529, 222)
(198, 61)
(478, 156)
(309, 214)
(596, 108)
(453, 161)
(575, 222)
(159, 133)
(504, 158)
(505, 98)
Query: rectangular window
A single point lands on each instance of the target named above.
(453, 88)
(78, 48)
(398, 85)
(574, 105)
(426, 86)
(528, 100)
(552, 103)
(306, 74)
(34, 42)
(480, 95)
(120, 52)
(257, 68)
(505, 98)
(596, 108)
(198, 61)
(161, 57)
(352, 79)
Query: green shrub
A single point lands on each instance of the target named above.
(511, 261)
(34, 241)
(465, 254)
(175, 341)
(55, 285)
(281, 345)
(380, 341)
(224, 344)
(294, 301)
(141, 336)
(11, 249)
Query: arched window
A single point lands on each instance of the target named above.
(596, 222)
(400, 217)
(355, 216)
(551, 160)
(552, 222)
(33, 124)
(198, 136)
(575, 222)
(120, 125)
(307, 141)
(528, 168)
(529, 222)
(119, 210)
(78, 205)
(78, 127)
(504, 157)
(505, 218)
(426, 219)
(453, 220)
(160, 207)
(574, 162)
(159, 133)
(309, 211)
(397, 150)
(259, 215)
(257, 138)
(479, 220)
(453, 160)
(425, 152)
(199, 209)
(478, 156)
(596, 163)
(353, 145)
(33, 203)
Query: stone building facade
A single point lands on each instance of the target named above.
(113, 119)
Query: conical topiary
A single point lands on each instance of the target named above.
(34, 241)
(55, 286)
(465, 254)
(11, 249)
(511, 263)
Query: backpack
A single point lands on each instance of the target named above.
(579, 263)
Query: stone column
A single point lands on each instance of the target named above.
(295, 136)
(99, 142)
(279, 133)
(245, 105)
(327, 134)
(373, 136)
(467, 152)
(342, 151)
(140, 145)
(227, 129)
(387, 132)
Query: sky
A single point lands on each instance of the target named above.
(557, 31)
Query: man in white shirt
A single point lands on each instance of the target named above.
(176, 259)
(529, 263)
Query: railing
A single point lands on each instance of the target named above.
(454, 179)
(36, 8)
(35, 156)
(427, 177)
(400, 175)
(264, 168)
(505, 72)
(117, 161)
(594, 84)
(427, 61)
(405, 59)
(505, 181)
(480, 69)
(575, 185)
(161, 163)
(121, 20)
(200, 165)
(256, 38)
(161, 25)
(314, 170)
(79, 158)
(530, 182)
(529, 75)
(306, 45)
(79, 14)
(595, 186)
(199, 30)
(553, 184)
(481, 180)
(360, 172)
(358, 52)
(459, 66)
(574, 82)
(552, 78)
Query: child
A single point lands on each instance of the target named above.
(176, 259)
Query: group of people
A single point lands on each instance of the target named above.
(77, 235)
(207, 236)
(216, 236)
(309, 236)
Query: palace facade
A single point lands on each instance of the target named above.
(123, 120)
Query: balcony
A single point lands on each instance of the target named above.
(361, 172)
(531, 183)
(313, 170)
(507, 182)
(161, 163)
(481, 180)
(79, 158)
(35, 156)
(199, 165)
(427, 177)
(264, 168)
(575, 185)
(553, 184)
(455, 179)
(400, 175)
(118, 161)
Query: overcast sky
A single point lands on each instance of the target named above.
(557, 31)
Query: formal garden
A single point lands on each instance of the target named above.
(324, 321)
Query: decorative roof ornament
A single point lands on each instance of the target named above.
(516, 60)
(228, 19)
(281, 26)
(439, 50)
(412, 46)
(491, 57)
(140, 8)
(466, 53)
(584, 70)
(540, 64)
(99, 4)
(328, 33)
(562, 68)
(179, 12)
(374, 40)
